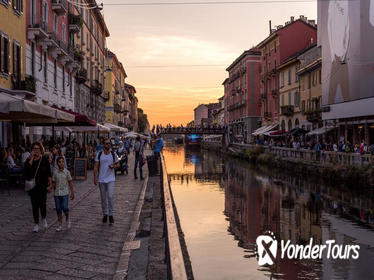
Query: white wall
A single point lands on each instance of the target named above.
(47, 91)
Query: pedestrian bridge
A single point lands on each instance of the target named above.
(193, 130)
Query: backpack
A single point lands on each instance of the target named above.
(99, 156)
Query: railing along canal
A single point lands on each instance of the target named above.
(177, 270)
(321, 157)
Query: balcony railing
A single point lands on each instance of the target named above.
(314, 116)
(59, 6)
(29, 84)
(37, 30)
(81, 76)
(106, 96)
(96, 87)
(75, 23)
(287, 110)
(78, 55)
(117, 108)
(274, 92)
(267, 115)
(237, 105)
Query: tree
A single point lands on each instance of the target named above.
(143, 124)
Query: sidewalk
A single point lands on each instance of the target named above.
(89, 250)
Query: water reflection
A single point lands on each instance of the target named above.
(254, 201)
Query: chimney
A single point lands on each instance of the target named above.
(302, 17)
(270, 27)
(292, 19)
(279, 27)
(312, 22)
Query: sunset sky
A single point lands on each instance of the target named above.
(176, 55)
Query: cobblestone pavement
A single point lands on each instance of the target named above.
(89, 250)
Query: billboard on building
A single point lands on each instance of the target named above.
(346, 34)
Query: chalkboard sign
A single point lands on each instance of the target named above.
(80, 168)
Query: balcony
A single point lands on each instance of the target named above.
(106, 96)
(274, 93)
(287, 110)
(81, 76)
(78, 55)
(263, 96)
(29, 84)
(75, 23)
(38, 31)
(314, 116)
(96, 87)
(117, 108)
(267, 115)
(59, 6)
(237, 105)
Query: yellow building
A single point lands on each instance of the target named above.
(289, 95)
(115, 94)
(311, 87)
(12, 45)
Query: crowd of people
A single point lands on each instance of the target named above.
(45, 168)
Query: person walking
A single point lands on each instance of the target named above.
(105, 164)
(138, 150)
(61, 183)
(37, 166)
(158, 146)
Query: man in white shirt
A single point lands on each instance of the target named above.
(105, 164)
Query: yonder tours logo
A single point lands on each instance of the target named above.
(267, 247)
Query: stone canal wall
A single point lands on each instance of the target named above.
(331, 167)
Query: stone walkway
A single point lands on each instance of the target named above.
(89, 250)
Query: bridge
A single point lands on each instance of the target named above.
(193, 130)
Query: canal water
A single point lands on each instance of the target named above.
(224, 204)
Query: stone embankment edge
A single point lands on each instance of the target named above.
(123, 263)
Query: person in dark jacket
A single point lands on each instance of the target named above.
(43, 180)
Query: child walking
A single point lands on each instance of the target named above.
(61, 183)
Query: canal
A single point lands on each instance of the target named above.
(224, 204)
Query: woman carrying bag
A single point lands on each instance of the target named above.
(38, 168)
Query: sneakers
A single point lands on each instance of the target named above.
(45, 224)
(59, 227)
(36, 228)
(111, 220)
(68, 224)
(105, 218)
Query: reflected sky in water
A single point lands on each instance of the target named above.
(224, 205)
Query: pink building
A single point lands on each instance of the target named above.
(242, 95)
(283, 42)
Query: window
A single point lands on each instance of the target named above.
(282, 99)
(18, 6)
(303, 106)
(71, 84)
(64, 32)
(45, 68)
(320, 75)
(296, 99)
(55, 23)
(63, 79)
(4, 53)
(289, 98)
(17, 60)
(32, 11)
(45, 13)
(32, 58)
(275, 47)
(282, 79)
(309, 78)
(289, 76)
(296, 75)
(55, 73)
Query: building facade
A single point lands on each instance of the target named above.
(242, 94)
(131, 108)
(90, 45)
(200, 113)
(13, 57)
(282, 43)
(310, 85)
(115, 93)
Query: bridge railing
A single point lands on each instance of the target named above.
(192, 130)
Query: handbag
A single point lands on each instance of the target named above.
(30, 184)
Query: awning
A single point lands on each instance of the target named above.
(96, 128)
(132, 134)
(275, 133)
(79, 119)
(63, 117)
(320, 131)
(264, 129)
(114, 127)
(297, 131)
(13, 108)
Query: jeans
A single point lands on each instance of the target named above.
(38, 201)
(62, 203)
(107, 192)
(138, 161)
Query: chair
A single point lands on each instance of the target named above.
(4, 177)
